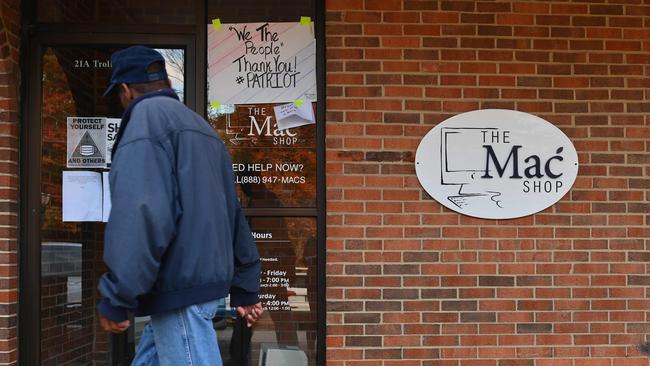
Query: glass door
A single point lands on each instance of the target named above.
(71, 158)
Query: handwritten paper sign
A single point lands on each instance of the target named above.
(293, 115)
(261, 63)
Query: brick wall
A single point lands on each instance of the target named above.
(413, 283)
(9, 92)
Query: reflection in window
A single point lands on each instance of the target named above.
(287, 248)
(73, 81)
(175, 65)
(74, 291)
(273, 168)
(61, 263)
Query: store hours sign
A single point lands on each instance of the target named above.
(496, 164)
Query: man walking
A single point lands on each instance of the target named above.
(176, 242)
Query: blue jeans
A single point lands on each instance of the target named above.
(181, 337)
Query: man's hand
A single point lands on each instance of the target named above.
(112, 326)
(250, 312)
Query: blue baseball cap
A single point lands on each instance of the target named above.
(130, 65)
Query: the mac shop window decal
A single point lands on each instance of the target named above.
(496, 164)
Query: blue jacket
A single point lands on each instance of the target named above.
(176, 235)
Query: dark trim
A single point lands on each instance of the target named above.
(29, 206)
(98, 29)
(283, 211)
(114, 39)
(27, 13)
(201, 58)
(321, 188)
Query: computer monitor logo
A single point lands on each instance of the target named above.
(462, 162)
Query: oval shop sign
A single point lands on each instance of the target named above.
(496, 164)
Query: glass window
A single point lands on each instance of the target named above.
(261, 57)
(256, 50)
(273, 168)
(73, 81)
(287, 330)
(175, 65)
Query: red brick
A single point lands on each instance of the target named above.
(384, 29)
(401, 42)
(384, 104)
(440, 17)
(540, 8)
(362, 116)
(514, 19)
(401, 17)
(422, 30)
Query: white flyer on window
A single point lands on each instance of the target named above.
(82, 196)
(106, 209)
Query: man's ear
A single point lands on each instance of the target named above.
(126, 92)
(169, 83)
